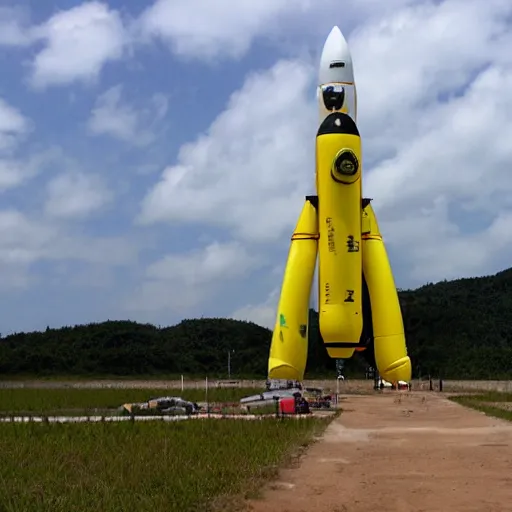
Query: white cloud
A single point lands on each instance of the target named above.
(14, 27)
(216, 261)
(18, 171)
(76, 195)
(103, 251)
(444, 130)
(20, 239)
(115, 117)
(183, 281)
(25, 240)
(208, 29)
(461, 154)
(414, 62)
(253, 167)
(262, 314)
(14, 173)
(13, 126)
(226, 28)
(78, 42)
(435, 102)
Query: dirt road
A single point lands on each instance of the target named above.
(422, 454)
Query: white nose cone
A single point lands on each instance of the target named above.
(336, 90)
(336, 62)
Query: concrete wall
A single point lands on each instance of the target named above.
(361, 386)
(348, 386)
(477, 385)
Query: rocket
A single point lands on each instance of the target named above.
(357, 299)
(338, 182)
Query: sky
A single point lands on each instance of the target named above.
(154, 156)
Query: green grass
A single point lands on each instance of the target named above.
(183, 466)
(78, 401)
(135, 377)
(480, 403)
(492, 396)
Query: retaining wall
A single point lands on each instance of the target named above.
(347, 386)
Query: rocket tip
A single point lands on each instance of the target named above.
(335, 61)
(336, 36)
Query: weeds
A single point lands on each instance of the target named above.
(482, 402)
(132, 466)
(141, 467)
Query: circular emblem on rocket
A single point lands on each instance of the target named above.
(345, 164)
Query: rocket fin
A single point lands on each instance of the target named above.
(390, 348)
(289, 346)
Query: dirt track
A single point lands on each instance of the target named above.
(423, 454)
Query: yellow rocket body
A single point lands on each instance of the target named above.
(390, 348)
(338, 178)
(289, 346)
(354, 274)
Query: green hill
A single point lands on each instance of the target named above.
(457, 329)
(462, 328)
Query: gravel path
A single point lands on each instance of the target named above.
(420, 453)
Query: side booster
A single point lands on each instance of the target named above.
(338, 176)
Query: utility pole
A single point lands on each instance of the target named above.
(229, 362)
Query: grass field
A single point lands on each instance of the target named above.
(86, 401)
(142, 467)
(200, 465)
(492, 403)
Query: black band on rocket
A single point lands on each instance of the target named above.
(313, 200)
(340, 344)
(337, 122)
(333, 97)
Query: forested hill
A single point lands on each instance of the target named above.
(461, 328)
(457, 329)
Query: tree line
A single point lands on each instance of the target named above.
(458, 329)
